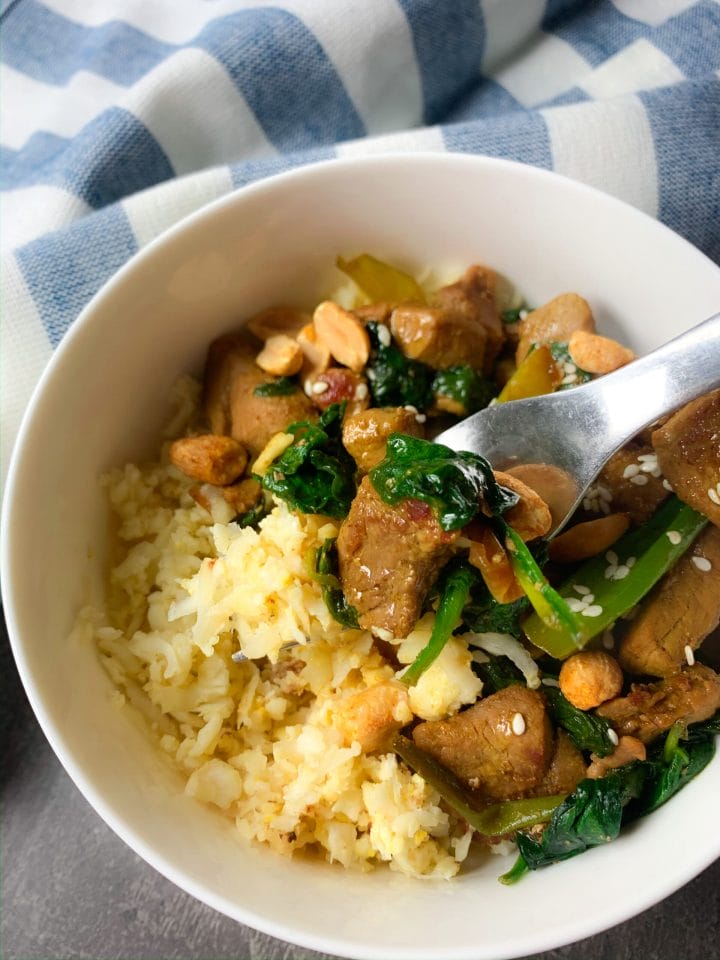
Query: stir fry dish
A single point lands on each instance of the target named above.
(360, 644)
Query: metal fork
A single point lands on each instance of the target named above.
(578, 430)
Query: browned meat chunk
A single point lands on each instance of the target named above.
(372, 716)
(634, 490)
(567, 768)
(679, 612)
(688, 451)
(365, 434)
(389, 558)
(556, 320)
(652, 708)
(461, 326)
(627, 750)
(244, 495)
(232, 409)
(480, 746)
(209, 458)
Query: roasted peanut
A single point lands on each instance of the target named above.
(343, 334)
(555, 320)
(588, 539)
(627, 750)
(597, 354)
(530, 517)
(209, 458)
(315, 351)
(281, 356)
(589, 678)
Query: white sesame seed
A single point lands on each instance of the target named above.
(631, 470)
(383, 335)
(550, 682)
(370, 374)
(702, 563)
(320, 386)
(667, 485)
(307, 387)
(604, 493)
(674, 537)
(608, 641)
(587, 504)
(579, 588)
(656, 472)
(569, 367)
(689, 655)
(568, 380)
(361, 391)
(518, 724)
(611, 556)
(594, 610)
(650, 466)
(640, 480)
(714, 496)
(630, 562)
(646, 457)
(410, 408)
(575, 604)
(522, 314)
(420, 418)
(613, 737)
(620, 572)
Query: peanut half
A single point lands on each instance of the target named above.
(343, 334)
(281, 356)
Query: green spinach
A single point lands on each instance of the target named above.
(465, 386)
(282, 387)
(394, 379)
(326, 574)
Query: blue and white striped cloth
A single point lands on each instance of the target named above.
(121, 116)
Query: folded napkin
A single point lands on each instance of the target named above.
(122, 116)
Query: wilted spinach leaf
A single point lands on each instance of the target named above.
(451, 483)
(253, 516)
(465, 386)
(315, 474)
(586, 730)
(326, 573)
(496, 673)
(394, 379)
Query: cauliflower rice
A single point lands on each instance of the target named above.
(261, 739)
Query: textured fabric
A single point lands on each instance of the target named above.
(122, 116)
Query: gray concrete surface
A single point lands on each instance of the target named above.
(72, 889)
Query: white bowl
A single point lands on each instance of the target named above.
(102, 401)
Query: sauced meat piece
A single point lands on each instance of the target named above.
(209, 458)
(365, 434)
(480, 747)
(688, 451)
(628, 750)
(567, 768)
(462, 326)
(231, 407)
(680, 611)
(652, 708)
(556, 320)
(634, 490)
(389, 558)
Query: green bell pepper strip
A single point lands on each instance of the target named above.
(455, 595)
(380, 281)
(496, 820)
(550, 608)
(643, 556)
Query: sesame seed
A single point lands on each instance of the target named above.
(550, 682)
(594, 610)
(631, 562)
(620, 572)
(702, 563)
(307, 387)
(383, 335)
(667, 485)
(410, 408)
(579, 588)
(714, 496)
(604, 493)
(569, 368)
(608, 641)
(568, 380)
(640, 480)
(518, 724)
(361, 391)
(320, 386)
(646, 457)
(575, 604)
(631, 470)
(650, 466)
(522, 314)
(674, 537)
(689, 655)
(613, 737)
(587, 504)
(370, 374)
(611, 556)
(420, 418)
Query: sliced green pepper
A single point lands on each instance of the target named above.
(381, 281)
(618, 579)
